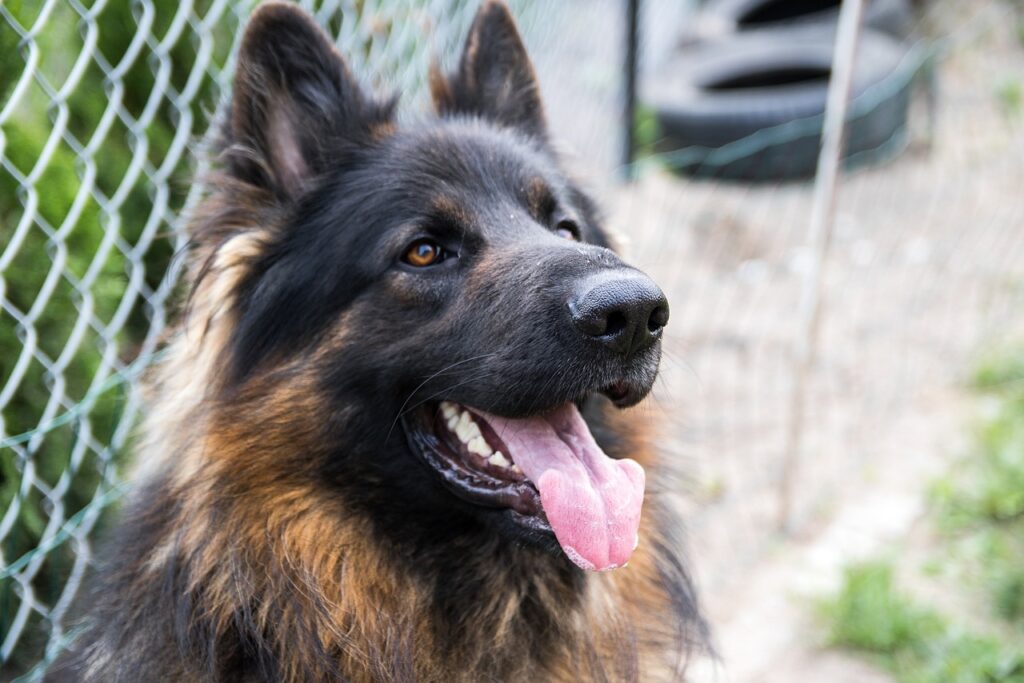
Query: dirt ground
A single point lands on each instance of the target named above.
(926, 271)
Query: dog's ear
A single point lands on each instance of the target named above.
(295, 104)
(495, 78)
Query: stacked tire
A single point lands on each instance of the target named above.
(744, 97)
(725, 17)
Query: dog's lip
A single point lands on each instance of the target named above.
(467, 476)
(478, 483)
(622, 393)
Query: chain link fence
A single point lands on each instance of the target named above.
(103, 106)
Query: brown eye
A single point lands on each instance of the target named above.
(567, 229)
(423, 253)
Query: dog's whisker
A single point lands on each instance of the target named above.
(433, 376)
(404, 409)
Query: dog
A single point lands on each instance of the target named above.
(388, 439)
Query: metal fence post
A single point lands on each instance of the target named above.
(630, 66)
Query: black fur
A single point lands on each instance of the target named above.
(342, 191)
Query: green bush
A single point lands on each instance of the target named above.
(68, 247)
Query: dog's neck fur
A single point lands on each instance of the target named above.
(264, 577)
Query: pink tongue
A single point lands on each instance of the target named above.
(591, 501)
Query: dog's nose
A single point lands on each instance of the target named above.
(624, 312)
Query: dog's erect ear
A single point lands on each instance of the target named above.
(294, 102)
(495, 78)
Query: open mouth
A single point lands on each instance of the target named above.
(546, 471)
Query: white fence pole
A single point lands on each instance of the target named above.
(819, 237)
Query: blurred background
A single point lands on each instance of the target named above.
(842, 392)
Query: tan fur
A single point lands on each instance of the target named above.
(306, 558)
(259, 538)
(240, 559)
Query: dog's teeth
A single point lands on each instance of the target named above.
(462, 427)
(479, 446)
(466, 429)
(450, 413)
(515, 468)
(499, 460)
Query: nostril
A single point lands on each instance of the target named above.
(658, 319)
(615, 323)
(622, 312)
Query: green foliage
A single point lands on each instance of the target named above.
(981, 502)
(962, 658)
(1010, 96)
(979, 506)
(916, 643)
(646, 132)
(990, 485)
(869, 614)
(69, 280)
(1008, 593)
(1001, 370)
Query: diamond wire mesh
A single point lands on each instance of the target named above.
(102, 105)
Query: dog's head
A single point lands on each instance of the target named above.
(448, 286)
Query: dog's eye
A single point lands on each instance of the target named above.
(568, 229)
(423, 253)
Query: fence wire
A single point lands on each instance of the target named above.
(103, 105)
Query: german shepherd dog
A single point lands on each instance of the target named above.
(386, 442)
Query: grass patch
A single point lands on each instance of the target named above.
(999, 371)
(978, 513)
(916, 643)
(980, 504)
(870, 615)
(1010, 96)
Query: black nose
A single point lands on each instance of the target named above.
(623, 311)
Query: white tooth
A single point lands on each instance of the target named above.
(499, 460)
(466, 429)
(515, 468)
(479, 446)
(462, 427)
(449, 410)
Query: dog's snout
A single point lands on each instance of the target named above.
(624, 312)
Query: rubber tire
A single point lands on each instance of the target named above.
(705, 122)
(720, 18)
